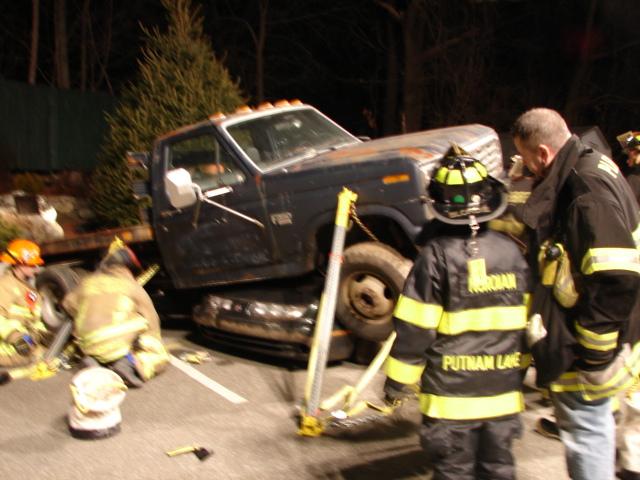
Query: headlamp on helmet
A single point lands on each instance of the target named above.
(629, 140)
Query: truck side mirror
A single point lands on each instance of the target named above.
(179, 188)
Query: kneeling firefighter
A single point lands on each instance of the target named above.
(461, 328)
(115, 322)
(21, 326)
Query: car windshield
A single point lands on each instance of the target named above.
(284, 137)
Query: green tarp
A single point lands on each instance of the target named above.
(45, 129)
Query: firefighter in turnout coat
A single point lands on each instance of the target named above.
(583, 211)
(460, 323)
(115, 322)
(21, 326)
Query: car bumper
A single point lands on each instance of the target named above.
(279, 329)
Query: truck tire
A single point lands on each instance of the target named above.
(53, 284)
(371, 279)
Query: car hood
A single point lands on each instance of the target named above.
(424, 147)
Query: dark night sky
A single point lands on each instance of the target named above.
(334, 55)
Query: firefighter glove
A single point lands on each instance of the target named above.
(535, 330)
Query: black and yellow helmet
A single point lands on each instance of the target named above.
(462, 187)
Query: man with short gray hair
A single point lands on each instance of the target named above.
(585, 230)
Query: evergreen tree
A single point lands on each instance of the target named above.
(179, 82)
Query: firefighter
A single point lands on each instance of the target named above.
(21, 326)
(115, 322)
(584, 220)
(460, 324)
(630, 143)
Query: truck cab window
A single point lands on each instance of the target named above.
(209, 163)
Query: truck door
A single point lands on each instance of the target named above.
(204, 244)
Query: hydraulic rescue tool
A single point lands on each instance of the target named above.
(310, 424)
(313, 417)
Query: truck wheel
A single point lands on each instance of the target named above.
(53, 284)
(372, 278)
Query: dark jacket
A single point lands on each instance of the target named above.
(585, 204)
(466, 324)
(633, 178)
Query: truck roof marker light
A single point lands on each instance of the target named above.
(399, 178)
(295, 102)
(218, 116)
(243, 109)
(265, 106)
(282, 103)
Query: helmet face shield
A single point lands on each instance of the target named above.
(461, 187)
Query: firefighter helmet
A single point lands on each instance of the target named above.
(95, 411)
(120, 254)
(629, 140)
(22, 252)
(461, 187)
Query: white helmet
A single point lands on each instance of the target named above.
(97, 395)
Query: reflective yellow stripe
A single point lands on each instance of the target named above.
(471, 408)
(107, 352)
(18, 311)
(527, 301)
(403, 372)
(454, 177)
(518, 197)
(481, 169)
(636, 236)
(602, 259)
(423, 315)
(596, 341)
(483, 320)
(7, 326)
(472, 175)
(621, 380)
(525, 360)
(137, 324)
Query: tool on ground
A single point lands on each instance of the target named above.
(310, 423)
(195, 356)
(200, 452)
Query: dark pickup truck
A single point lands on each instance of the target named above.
(241, 221)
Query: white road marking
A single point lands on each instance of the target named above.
(206, 381)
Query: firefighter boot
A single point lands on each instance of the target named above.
(125, 367)
(628, 475)
(547, 428)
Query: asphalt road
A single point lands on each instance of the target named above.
(250, 427)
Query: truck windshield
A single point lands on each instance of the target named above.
(284, 137)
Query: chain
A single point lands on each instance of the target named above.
(365, 229)
(354, 422)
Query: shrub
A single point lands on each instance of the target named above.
(179, 82)
(8, 232)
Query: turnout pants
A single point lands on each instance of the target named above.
(470, 450)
